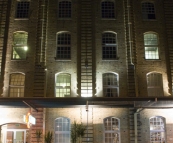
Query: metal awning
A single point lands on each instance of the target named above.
(53, 102)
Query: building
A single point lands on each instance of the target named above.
(106, 64)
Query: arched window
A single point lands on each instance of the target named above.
(148, 11)
(64, 9)
(16, 85)
(108, 9)
(157, 130)
(155, 84)
(22, 9)
(20, 46)
(151, 46)
(63, 51)
(110, 85)
(109, 46)
(111, 130)
(62, 85)
(62, 130)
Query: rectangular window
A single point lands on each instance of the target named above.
(108, 9)
(22, 9)
(109, 46)
(151, 46)
(148, 11)
(20, 45)
(64, 9)
(63, 51)
(16, 86)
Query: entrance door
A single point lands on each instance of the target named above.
(15, 136)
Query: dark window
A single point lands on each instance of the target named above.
(63, 46)
(64, 9)
(108, 9)
(109, 46)
(22, 9)
(148, 11)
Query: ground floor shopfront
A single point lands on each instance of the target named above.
(105, 125)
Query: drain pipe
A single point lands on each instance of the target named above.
(136, 126)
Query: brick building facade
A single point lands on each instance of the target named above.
(111, 53)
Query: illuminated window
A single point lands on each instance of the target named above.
(109, 46)
(111, 130)
(16, 86)
(62, 130)
(108, 9)
(148, 11)
(155, 84)
(20, 45)
(64, 9)
(151, 46)
(63, 46)
(157, 130)
(22, 9)
(62, 85)
(110, 85)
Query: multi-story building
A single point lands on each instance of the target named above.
(107, 64)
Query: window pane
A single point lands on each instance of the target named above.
(109, 47)
(16, 86)
(155, 85)
(157, 130)
(63, 83)
(108, 9)
(148, 11)
(151, 46)
(22, 9)
(65, 9)
(111, 126)
(62, 130)
(20, 45)
(63, 46)
(110, 85)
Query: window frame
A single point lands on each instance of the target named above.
(111, 131)
(147, 13)
(154, 87)
(63, 46)
(20, 45)
(28, 12)
(158, 131)
(61, 87)
(152, 46)
(105, 87)
(58, 12)
(13, 86)
(62, 132)
(108, 18)
(109, 45)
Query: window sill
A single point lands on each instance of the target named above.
(153, 60)
(111, 59)
(56, 59)
(149, 19)
(108, 19)
(64, 18)
(21, 19)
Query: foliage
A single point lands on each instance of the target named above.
(48, 137)
(38, 133)
(77, 131)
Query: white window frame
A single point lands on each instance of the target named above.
(64, 17)
(115, 130)
(18, 87)
(21, 18)
(103, 12)
(62, 87)
(63, 133)
(23, 46)
(157, 122)
(154, 84)
(110, 86)
(146, 11)
(151, 50)
(63, 46)
(107, 46)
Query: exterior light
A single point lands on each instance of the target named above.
(25, 48)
